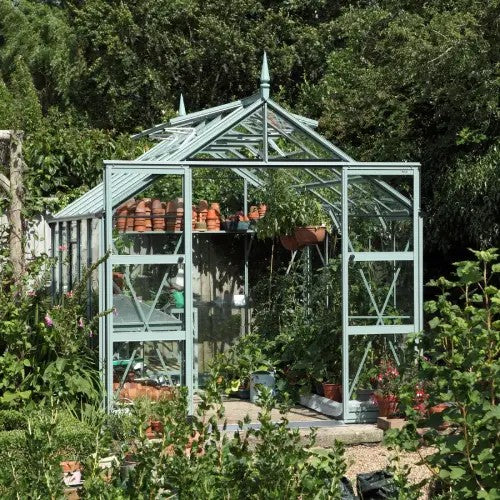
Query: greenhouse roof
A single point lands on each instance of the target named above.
(248, 134)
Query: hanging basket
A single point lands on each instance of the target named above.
(310, 235)
(290, 243)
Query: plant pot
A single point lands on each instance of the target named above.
(253, 213)
(290, 243)
(154, 429)
(140, 217)
(332, 391)
(72, 473)
(121, 219)
(262, 209)
(387, 405)
(310, 235)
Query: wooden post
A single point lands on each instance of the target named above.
(12, 140)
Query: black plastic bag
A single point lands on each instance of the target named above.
(376, 485)
(346, 491)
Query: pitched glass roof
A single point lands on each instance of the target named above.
(255, 128)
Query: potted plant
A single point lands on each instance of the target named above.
(388, 383)
(297, 218)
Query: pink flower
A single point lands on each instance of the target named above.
(69, 294)
(80, 323)
(91, 334)
(62, 248)
(48, 320)
(31, 293)
(115, 312)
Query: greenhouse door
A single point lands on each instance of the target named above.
(146, 338)
(381, 273)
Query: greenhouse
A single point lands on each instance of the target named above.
(160, 299)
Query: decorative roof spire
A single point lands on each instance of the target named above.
(265, 79)
(182, 109)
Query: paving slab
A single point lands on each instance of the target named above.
(327, 429)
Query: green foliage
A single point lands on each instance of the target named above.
(467, 200)
(44, 350)
(418, 81)
(287, 208)
(194, 458)
(31, 457)
(463, 369)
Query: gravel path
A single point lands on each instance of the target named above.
(369, 458)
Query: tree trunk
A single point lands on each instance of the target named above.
(15, 166)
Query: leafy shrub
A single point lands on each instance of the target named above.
(194, 458)
(44, 349)
(462, 362)
(12, 420)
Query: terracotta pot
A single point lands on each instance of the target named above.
(121, 218)
(332, 391)
(130, 216)
(148, 221)
(140, 217)
(290, 243)
(154, 429)
(72, 473)
(253, 214)
(387, 405)
(118, 279)
(158, 215)
(439, 409)
(166, 393)
(262, 209)
(216, 207)
(203, 205)
(310, 235)
(170, 215)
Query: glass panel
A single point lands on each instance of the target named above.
(380, 293)
(152, 222)
(219, 301)
(145, 297)
(380, 234)
(366, 353)
(243, 141)
(147, 369)
(286, 140)
(385, 196)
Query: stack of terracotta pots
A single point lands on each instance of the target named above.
(146, 215)
(131, 206)
(135, 390)
(253, 213)
(158, 215)
(140, 217)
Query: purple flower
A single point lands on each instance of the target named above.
(31, 293)
(80, 323)
(91, 334)
(48, 320)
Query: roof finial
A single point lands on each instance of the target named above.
(265, 79)
(182, 109)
